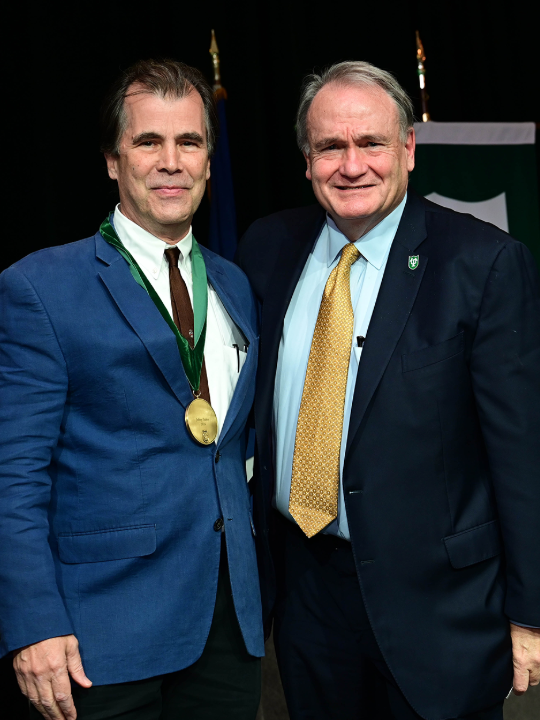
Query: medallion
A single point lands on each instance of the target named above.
(201, 421)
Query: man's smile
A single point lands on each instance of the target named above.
(169, 190)
(353, 187)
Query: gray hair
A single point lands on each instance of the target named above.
(348, 73)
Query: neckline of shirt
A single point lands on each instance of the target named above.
(373, 245)
(147, 249)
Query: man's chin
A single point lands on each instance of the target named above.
(354, 207)
(353, 211)
(170, 215)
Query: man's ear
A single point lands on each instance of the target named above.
(208, 169)
(308, 163)
(410, 146)
(112, 166)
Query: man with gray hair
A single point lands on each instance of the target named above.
(397, 416)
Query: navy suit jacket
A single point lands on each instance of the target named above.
(107, 506)
(442, 468)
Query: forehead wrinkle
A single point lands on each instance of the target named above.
(161, 116)
(336, 106)
(344, 137)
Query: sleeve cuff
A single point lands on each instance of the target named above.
(532, 627)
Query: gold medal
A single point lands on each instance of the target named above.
(201, 421)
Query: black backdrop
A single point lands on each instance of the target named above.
(482, 66)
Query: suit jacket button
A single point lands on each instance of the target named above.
(218, 455)
(218, 525)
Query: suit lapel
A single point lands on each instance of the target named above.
(394, 304)
(143, 316)
(293, 254)
(233, 304)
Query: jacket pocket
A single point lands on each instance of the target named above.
(100, 545)
(474, 545)
(432, 354)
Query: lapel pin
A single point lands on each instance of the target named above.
(413, 261)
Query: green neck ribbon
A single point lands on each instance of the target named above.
(192, 357)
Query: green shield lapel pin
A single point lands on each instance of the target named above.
(413, 261)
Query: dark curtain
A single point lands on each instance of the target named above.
(482, 65)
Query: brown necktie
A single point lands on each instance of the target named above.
(313, 501)
(183, 310)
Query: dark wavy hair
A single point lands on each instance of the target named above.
(160, 77)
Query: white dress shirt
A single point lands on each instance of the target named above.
(223, 362)
(298, 327)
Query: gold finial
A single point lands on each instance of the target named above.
(420, 60)
(219, 91)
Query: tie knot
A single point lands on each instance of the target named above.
(172, 255)
(349, 254)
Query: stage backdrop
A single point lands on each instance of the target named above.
(485, 169)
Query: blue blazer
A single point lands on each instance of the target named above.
(107, 506)
(442, 468)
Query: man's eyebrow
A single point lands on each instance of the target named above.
(195, 136)
(325, 142)
(373, 138)
(145, 136)
(142, 137)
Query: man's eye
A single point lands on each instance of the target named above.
(147, 143)
(331, 147)
(371, 143)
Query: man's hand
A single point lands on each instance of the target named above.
(43, 671)
(526, 656)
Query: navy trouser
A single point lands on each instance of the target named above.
(330, 664)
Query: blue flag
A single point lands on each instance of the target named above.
(223, 235)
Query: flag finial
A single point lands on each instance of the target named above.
(420, 60)
(219, 91)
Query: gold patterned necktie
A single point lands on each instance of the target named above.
(315, 476)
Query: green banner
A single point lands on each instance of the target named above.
(485, 169)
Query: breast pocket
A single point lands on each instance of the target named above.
(432, 355)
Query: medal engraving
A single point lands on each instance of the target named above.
(201, 421)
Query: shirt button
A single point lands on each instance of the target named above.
(218, 525)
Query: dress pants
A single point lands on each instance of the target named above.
(329, 660)
(224, 683)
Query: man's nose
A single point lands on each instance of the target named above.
(170, 158)
(353, 162)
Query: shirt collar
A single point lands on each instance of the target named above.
(147, 249)
(373, 245)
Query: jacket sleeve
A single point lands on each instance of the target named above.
(505, 368)
(33, 390)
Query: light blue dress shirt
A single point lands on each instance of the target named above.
(295, 345)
